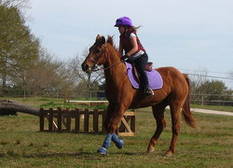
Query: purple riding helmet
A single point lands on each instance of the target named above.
(123, 21)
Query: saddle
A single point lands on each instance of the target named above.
(149, 66)
(154, 78)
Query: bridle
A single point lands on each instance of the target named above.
(105, 68)
(102, 68)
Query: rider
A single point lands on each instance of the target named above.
(134, 51)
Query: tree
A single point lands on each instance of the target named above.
(18, 47)
(214, 91)
(86, 83)
(49, 77)
(14, 3)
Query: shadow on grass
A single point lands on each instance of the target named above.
(83, 155)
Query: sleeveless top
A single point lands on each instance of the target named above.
(126, 43)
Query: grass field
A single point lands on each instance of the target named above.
(210, 145)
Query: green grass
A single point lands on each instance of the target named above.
(211, 107)
(35, 101)
(210, 145)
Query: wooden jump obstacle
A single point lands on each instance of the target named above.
(82, 121)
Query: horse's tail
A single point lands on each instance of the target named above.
(188, 117)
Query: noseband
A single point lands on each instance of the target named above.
(105, 68)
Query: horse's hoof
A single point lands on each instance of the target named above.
(120, 144)
(168, 153)
(102, 151)
(150, 149)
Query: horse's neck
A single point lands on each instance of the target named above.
(115, 74)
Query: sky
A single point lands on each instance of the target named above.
(194, 36)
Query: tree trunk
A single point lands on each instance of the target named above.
(10, 107)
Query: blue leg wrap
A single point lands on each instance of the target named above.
(102, 151)
(118, 142)
(107, 141)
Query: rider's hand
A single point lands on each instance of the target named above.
(124, 57)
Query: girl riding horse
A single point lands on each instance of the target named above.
(122, 96)
(134, 51)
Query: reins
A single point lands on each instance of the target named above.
(106, 68)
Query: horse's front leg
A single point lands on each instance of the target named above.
(113, 118)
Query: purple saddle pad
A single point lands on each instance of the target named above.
(154, 78)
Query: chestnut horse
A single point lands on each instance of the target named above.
(122, 96)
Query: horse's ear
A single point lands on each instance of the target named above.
(110, 40)
(100, 39)
(97, 37)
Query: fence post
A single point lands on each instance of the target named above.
(95, 120)
(50, 119)
(59, 119)
(103, 120)
(132, 123)
(41, 119)
(202, 100)
(86, 120)
(68, 119)
(77, 120)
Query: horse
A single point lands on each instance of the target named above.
(122, 96)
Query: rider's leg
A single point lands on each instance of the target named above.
(140, 66)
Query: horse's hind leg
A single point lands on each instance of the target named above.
(158, 111)
(175, 107)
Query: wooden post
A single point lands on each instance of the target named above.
(86, 121)
(129, 129)
(50, 117)
(103, 120)
(41, 119)
(77, 120)
(202, 100)
(59, 119)
(95, 120)
(132, 124)
(122, 126)
(68, 119)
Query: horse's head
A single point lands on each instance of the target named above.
(97, 53)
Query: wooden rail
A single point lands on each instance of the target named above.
(82, 121)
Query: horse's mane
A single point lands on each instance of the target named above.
(111, 42)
